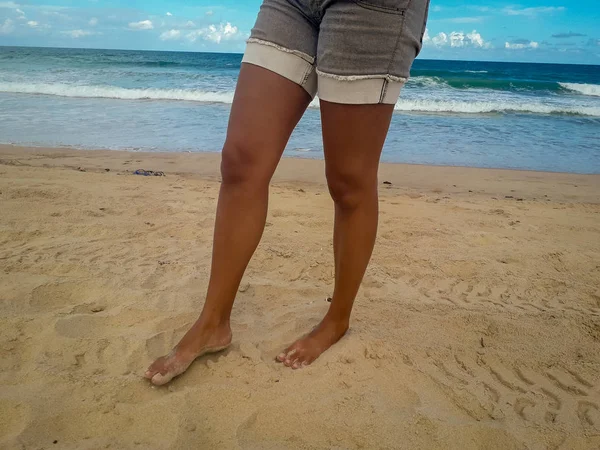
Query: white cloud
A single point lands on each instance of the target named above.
(19, 11)
(32, 23)
(7, 27)
(11, 5)
(521, 45)
(76, 34)
(511, 11)
(215, 33)
(142, 25)
(439, 40)
(209, 13)
(169, 14)
(93, 21)
(476, 39)
(190, 24)
(171, 35)
(456, 39)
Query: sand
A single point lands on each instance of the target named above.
(477, 326)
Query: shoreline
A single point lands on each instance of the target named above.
(44, 148)
(471, 181)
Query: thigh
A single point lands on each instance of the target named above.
(266, 108)
(353, 137)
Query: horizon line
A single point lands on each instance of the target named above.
(241, 53)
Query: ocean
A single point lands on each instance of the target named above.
(480, 114)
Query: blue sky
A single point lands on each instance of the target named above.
(533, 30)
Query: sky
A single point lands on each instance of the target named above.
(557, 31)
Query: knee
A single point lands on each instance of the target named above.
(350, 189)
(240, 165)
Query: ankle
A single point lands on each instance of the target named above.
(339, 321)
(202, 335)
(213, 321)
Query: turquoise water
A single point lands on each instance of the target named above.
(505, 115)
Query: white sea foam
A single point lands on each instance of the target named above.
(585, 89)
(422, 105)
(66, 90)
(476, 71)
(480, 107)
(427, 81)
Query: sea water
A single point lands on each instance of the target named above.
(481, 114)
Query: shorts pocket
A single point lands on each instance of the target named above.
(389, 6)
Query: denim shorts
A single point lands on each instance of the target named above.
(346, 51)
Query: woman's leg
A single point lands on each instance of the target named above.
(265, 110)
(353, 136)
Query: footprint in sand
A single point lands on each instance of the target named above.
(97, 343)
(483, 387)
(58, 295)
(86, 326)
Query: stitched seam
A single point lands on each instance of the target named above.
(383, 90)
(398, 39)
(316, 20)
(386, 9)
(306, 75)
(386, 76)
(309, 59)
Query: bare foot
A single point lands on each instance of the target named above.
(198, 341)
(305, 350)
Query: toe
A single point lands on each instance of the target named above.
(281, 357)
(289, 356)
(291, 359)
(159, 379)
(154, 368)
(303, 360)
(292, 362)
(296, 361)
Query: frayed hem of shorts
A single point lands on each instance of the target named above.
(388, 77)
(309, 59)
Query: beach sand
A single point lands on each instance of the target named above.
(477, 326)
